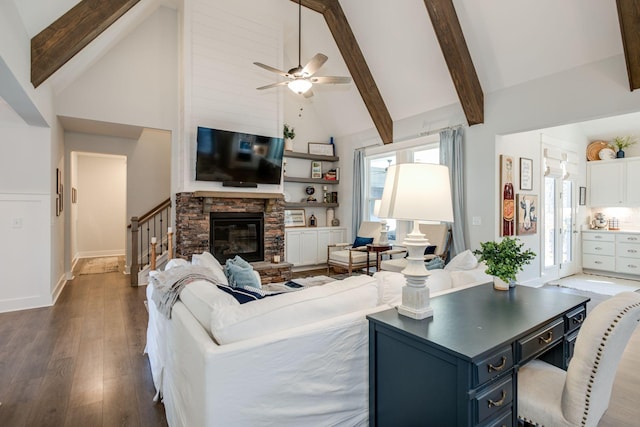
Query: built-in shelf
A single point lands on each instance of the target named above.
(307, 156)
(290, 205)
(311, 180)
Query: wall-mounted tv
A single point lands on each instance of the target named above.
(235, 158)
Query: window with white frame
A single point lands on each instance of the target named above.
(377, 164)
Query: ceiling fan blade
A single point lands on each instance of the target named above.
(272, 85)
(273, 70)
(308, 94)
(330, 80)
(314, 65)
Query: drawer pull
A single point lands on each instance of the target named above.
(500, 367)
(499, 402)
(579, 318)
(632, 266)
(632, 251)
(598, 248)
(546, 340)
(598, 262)
(632, 238)
(598, 237)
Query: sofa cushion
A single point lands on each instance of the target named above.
(234, 323)
(205, 259)
(201, 298)
(357, 257)
(465, 260)
(362, 241)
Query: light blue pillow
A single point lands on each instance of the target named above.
(434, 264)
(237, 260)
(241, 277)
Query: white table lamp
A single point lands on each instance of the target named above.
(384, 228)
(416, 192)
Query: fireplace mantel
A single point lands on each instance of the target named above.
(237, 195)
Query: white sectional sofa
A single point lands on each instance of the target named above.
(299, 358)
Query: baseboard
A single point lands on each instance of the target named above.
(62, 282)
(96, 254)
(18, 304)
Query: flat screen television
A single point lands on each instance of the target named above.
(236, 158)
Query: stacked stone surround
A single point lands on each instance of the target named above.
(192, 221)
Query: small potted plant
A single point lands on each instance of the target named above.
(622, 142)
(289, 134)
(504, 260)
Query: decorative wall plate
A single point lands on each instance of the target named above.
(593, 149)
(310, 190)
(606, 154)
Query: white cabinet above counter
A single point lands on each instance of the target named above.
(613, 183)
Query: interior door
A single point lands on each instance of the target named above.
(568, 232)
(559, 229)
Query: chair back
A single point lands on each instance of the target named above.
(599, 347)
(370, 229)
(438, 235)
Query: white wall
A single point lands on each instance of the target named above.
(101, 208)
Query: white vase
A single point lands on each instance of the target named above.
(288, 144)
(500, 284)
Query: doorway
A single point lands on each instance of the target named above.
(98, 205)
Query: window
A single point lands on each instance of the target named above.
(377, 165)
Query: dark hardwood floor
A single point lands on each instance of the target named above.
(80, 362)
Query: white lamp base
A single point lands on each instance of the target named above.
(415, 294)
(384, 231)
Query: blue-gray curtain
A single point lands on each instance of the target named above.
(452, 155)
(358, 190)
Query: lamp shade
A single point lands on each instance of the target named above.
(417, 191)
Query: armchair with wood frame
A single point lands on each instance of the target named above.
(348, 257)
(439, 235)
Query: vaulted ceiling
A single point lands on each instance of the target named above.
(415, 55)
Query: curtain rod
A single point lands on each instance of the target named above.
(429, 132)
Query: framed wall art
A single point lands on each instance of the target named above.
(316, 170)
(321, 148)
(582, 199)
(507, 199)
(526, 174)
(295, 218)
(527, 214)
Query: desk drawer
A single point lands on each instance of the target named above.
(541, 339)
(504, 420)
(575, 319)
(598, 248)
(495, 399)
(494, 365)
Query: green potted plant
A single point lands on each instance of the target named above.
(622, 142)
(289, 134)
(504, 260)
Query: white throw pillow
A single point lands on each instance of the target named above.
(277, 313)
(205, 259)
(463, 261)
(390, 284)
(175, 262)
(201, 298)
(439, 280)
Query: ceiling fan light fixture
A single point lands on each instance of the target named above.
(299, 86)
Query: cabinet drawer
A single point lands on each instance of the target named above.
(628, 238)
(598, 248)
(598, 262)
(570, 344)
(495, 399)
(494, 365)
(504, 420)
(628, 265)
(541, 339)
(600, 237)
(629, 250)
(575, 319)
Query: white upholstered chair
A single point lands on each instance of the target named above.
(438, 235)
(345, 256)
(549, 396)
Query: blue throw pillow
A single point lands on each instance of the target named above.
(362, 241)
(237, 260)
(430, 250)
(434, 264)
(240, 294)
(241, 276)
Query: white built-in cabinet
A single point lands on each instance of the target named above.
(308, 246)
(613, 182)
(611, 251)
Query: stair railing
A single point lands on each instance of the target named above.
(152, 226)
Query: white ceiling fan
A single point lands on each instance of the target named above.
(300, 79)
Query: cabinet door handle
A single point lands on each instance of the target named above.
(579, 318)
(499, 402)
(500, 367)
(546, 340)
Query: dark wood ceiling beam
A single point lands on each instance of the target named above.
(356, 63)
(456, 54)
(69, 34)
(629, 17)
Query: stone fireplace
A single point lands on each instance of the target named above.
(237, 233)
(193, 226)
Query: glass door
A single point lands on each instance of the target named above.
(559, 235)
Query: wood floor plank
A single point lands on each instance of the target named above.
(85, 415)
(120, 404)
(50, 407)
(17, 402)
(87, 387)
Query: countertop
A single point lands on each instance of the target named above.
(604, 230)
